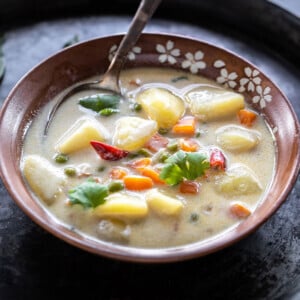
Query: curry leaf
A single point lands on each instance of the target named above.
(184, 165)
(88, 194)
(99, 102)
(2, 62)
(2, 68)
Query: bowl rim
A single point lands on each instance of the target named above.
(135, 254)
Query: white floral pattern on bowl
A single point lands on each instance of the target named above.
(250, 81)
(167, 53)
(131, 55)
(194, 62)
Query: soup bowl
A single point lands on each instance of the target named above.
(78, 62)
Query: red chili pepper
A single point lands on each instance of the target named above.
(217, 159)
(108, 152)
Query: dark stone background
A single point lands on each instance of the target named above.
(265, 265)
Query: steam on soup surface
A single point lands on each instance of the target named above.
(181, 161)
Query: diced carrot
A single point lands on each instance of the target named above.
(157, 142)
(188, 145)
(246, 117)
(239, 210)
(117, 173)
(140, 163)
(137, 183)
(151, 173)
(189, 187)
(186, 125)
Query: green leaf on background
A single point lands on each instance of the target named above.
(72, 41)
(2, 62)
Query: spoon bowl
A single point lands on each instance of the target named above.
(109, 83)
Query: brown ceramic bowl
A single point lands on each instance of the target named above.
(73, 64)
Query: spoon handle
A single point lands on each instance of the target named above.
(142, 16)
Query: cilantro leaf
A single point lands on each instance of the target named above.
(184, 165)
(88, 194)
(99, 102)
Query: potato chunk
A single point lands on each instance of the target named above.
(44, 179)
(162, 204)
(80, 134)
(237, 138)
(162, 106)
(112, 230)
(132, 133)
(122, 206)
(214, 105)
(238, 180)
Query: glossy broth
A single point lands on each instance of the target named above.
(204, 214)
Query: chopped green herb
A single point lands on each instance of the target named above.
(198, 134)
(115, 186)
(175, 79)
(163, 131)
(164, 155)
(184, 165)
(136, 107)
(160, 156)
(101, 168)
(99, 102)
(133, 155)
(88, 194)
(144, 152)
(70, 171)
(194, 217)
(108, 111)
(61, 158)
(72, 41)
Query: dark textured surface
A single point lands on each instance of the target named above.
(265, 265)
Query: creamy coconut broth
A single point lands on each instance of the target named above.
(189, 164)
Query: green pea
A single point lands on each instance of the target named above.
(61, 158)
(70, 171)
(136, 107)
(173, 146)
(115, 186)
(163, 131)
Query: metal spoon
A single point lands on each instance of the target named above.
(109, 83)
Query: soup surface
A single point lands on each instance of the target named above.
(181, 160)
